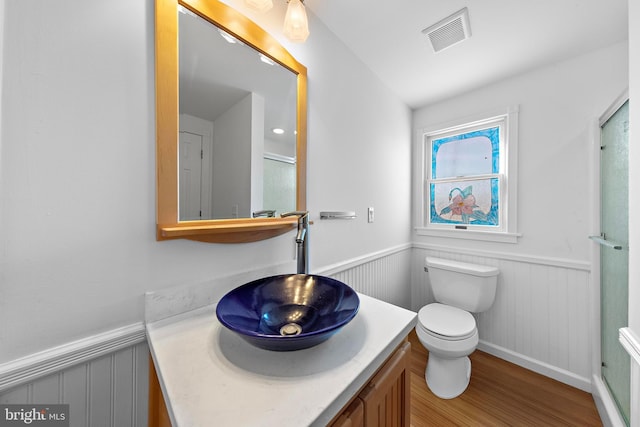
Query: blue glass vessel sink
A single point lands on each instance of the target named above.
(288, 312)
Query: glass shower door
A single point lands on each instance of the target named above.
(614, 255)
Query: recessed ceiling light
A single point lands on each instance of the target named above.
(186, 11)
(277, 131)
(228, 37)
(266, 59)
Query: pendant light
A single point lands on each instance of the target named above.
(296, 26)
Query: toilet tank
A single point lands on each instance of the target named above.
(471, 287)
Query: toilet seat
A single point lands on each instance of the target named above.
(446, 322)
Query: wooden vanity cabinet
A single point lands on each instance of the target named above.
(158, 413)
(353, 416)
(383, 402)
(387, 396)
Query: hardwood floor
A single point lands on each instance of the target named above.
(499, 394)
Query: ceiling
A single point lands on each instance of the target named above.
(508, 37)
(215, 74)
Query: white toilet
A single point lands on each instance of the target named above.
(446, 328)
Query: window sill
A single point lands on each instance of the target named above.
(487, 236)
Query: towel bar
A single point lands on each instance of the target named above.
(337, 215)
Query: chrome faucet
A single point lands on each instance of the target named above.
(302, 240)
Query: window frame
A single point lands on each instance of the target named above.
(507, 230)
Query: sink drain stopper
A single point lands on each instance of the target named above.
(291, 329)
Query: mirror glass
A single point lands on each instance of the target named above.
(237, 126)
(219, 166)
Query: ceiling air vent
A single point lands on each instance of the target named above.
(451, 30)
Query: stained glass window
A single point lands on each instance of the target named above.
(464, 178)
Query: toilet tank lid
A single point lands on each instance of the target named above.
(461, 267)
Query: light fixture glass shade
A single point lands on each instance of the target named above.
(296, 27)
(259, 5)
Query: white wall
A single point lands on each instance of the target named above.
(634, 202)
(257, 153)
(77, 220)
(2, 19)
(634, 165)
(233, 147)
(558, 105)
(541, 316)
(358, 146)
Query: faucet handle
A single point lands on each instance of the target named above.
(303, 216)
(270, 213)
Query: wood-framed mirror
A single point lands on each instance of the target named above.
(231, 227)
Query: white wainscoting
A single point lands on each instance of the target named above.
(109, 390)
(631, 342)
(541, 316)
(635, 395)
(540, 320)
(104, 378)
(384, 275)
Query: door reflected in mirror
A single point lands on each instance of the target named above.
(237, 127)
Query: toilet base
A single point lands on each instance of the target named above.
(448, 378)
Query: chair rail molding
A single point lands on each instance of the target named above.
(543, 340)
(540, 316)
(354, 262)
(631, 343)
(529, 259)
(57, 359)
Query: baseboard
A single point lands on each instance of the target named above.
(57, 359)
(534, 365)
(606, 406)
(54, 360)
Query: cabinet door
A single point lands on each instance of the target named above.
(387, 396)
(158, 414)
(353, 416)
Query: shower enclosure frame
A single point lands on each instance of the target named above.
(605, 403)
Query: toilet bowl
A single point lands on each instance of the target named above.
(450, 334)
(446, 328)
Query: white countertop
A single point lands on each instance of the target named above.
(210, 376)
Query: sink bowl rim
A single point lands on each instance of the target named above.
(290, 338)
